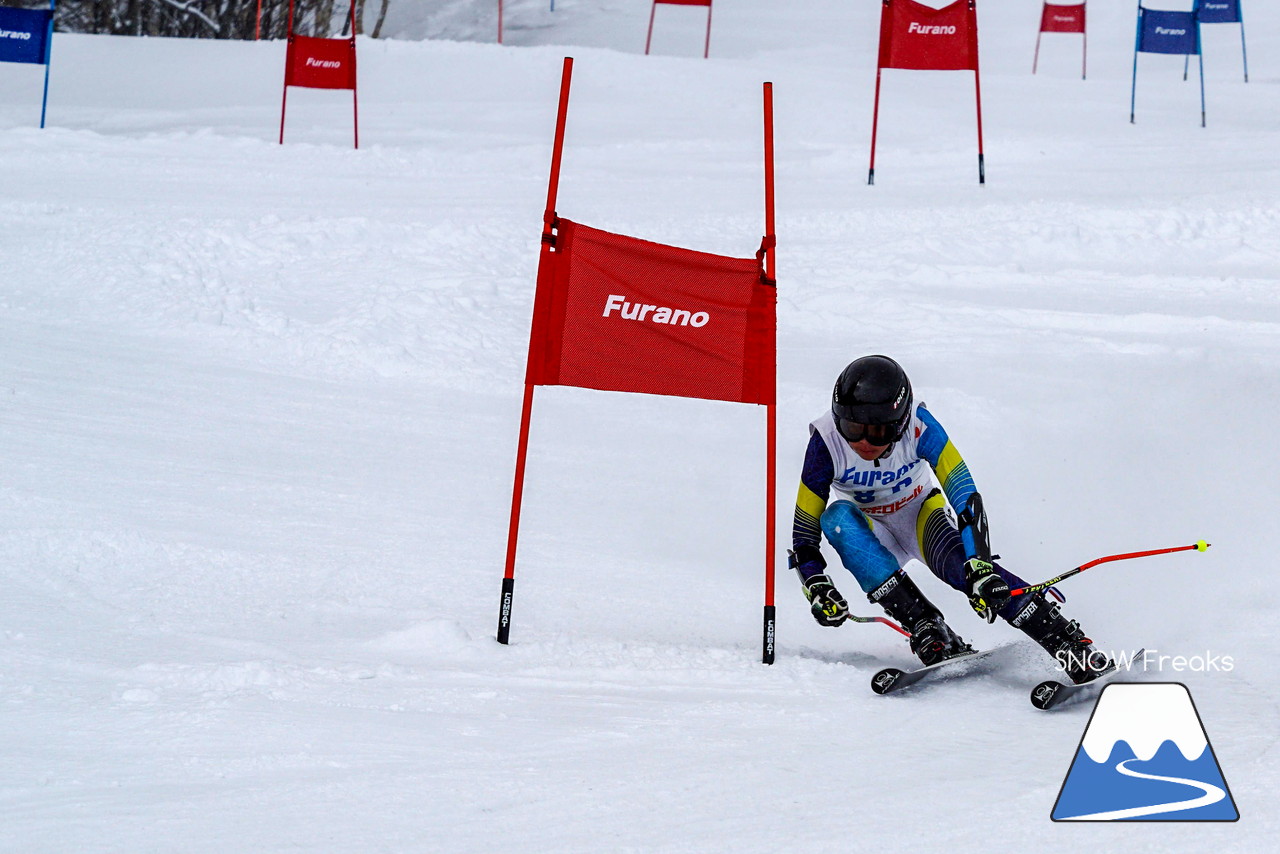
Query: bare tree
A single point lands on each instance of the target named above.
(359, 17)
(382, 17)
(224, 19)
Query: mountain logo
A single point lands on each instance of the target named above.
(1145, 756)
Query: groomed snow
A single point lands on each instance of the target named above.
(259, 406)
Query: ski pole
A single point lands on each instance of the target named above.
(885, 620)
(1199, 545)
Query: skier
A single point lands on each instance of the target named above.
(884, 455)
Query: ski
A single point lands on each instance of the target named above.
(1052, 694)
(892, 679)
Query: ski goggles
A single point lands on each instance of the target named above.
(875, 434)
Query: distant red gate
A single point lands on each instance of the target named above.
(915, 36)
(706, 50)
(1063, 19)
(321, 63)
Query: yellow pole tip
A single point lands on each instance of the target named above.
(1201, 545)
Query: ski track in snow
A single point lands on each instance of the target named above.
(259, 406)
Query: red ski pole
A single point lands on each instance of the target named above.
(1199, 545)
(884, 620)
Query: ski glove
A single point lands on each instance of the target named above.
(988, 592)
(828, 606)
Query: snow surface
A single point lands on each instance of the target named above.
(259, 406)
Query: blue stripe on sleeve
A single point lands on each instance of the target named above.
(933, 439)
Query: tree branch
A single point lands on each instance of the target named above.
(185, 8)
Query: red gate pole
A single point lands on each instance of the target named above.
(513, 532)
(875, 113)
(977, 87)
(649, 38)
(706, 50)
(257, 27)
(526, 412)
(553, 185)
(1043, 8)
(499, 21)
(771, 430)
(875, 123)
(355, 100)
(284, 98)
(1084, 51)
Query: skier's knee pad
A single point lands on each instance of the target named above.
(849, 533)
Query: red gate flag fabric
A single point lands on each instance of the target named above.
(919, 37)
(320, 63)
(622, 314)
(1062, 19)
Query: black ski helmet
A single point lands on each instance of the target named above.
(872, 400)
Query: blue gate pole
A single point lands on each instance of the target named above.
(1186, 60)
(48, 56)
(1200, 49)
(1244, 53)
(1137, 42)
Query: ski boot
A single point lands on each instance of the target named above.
(1042, 621)
(932, 640)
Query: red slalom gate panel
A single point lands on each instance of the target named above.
(1064, 19)
(322, 63)
(921, 38)
(619, 313)
(622, 314)
(706, 49)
